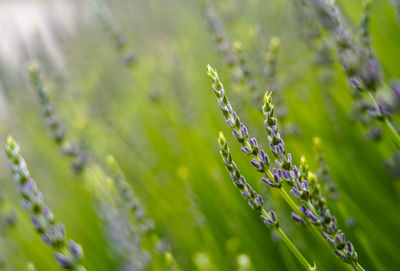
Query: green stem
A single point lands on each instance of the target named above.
(359, 267)
(388, 122)
(292, 247)
(289, 200)
(393, 129)
(80, 268)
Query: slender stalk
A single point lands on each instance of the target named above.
(294, 250)
(358, 267)
(80, 268)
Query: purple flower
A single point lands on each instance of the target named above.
(76, 250)
(297, 218)
(63, 261)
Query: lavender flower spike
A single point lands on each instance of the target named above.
(360, 64)
(313, 209)
(52, 121)
(306, 188)
(255, 200)
(110, 27)
(68, 254)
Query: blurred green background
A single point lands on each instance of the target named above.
(160, 120)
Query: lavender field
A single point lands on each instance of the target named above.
(199, 135)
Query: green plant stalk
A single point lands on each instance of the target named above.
(291, 246)
(289, 261)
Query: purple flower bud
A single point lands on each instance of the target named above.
(295, 192)
(272, 215)
(47, 214)
(46, 238)
(311, 216)
(355, 83)
(63, 261)
(246, 194)
(255, 163)
(340, 255)
(278, 163)
(243, 130)
(340, 238)
(277, 179)
(334, 227)
(271, 184)
(305, 186)
(60, 231)
(26, 204)
(267, 222)
(229, 122)
(273, 148)
(259, 199)
(76, 250)
(36, 223)
(331, 241)
(246, 150)
(286, 174)
(296, 172)
(265, 180)
(297, 218)
(350, 249)
(253, 142)
(370, 75)
(236, 134)
(253, 204)
(281, 147)
(264, 158)
(374, 133)
(303, 209)
(236, 119)
(396, 90)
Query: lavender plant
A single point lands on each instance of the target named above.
(365, 36)
(121, 211)
(109, 25)
(122, 240)
(68, 254)
(52, 121)
(313, 209)
(133, 209)
(256, 202)
(358, 61)
(233, 56)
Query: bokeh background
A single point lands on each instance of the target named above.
(160, 120)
